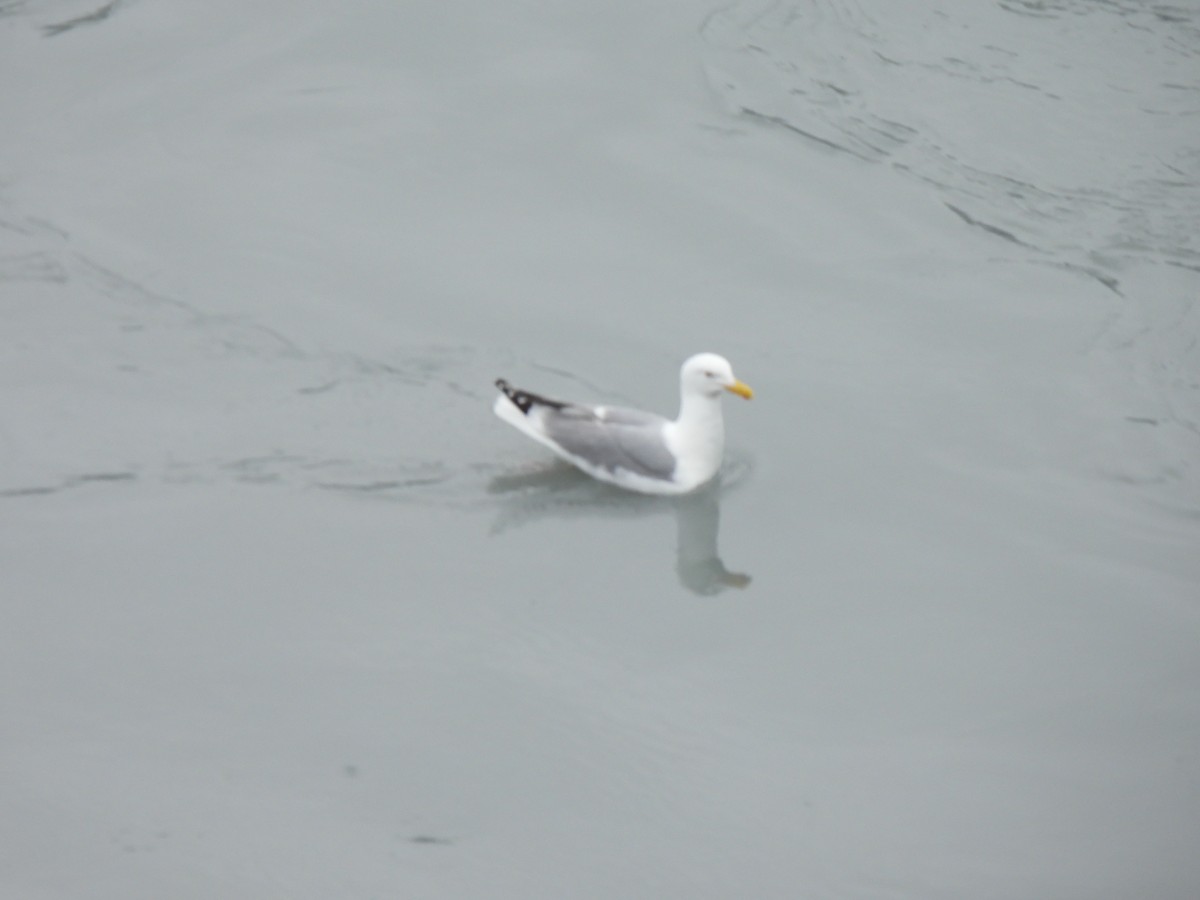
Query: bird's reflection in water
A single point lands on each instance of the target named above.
(558, 491)
(697, 559)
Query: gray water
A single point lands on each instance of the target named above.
(288, 612)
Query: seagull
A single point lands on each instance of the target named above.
(635, 450)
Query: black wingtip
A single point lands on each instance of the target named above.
(525, 401)
(519, 399)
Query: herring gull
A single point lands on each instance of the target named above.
(636, 450)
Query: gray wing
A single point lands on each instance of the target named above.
(612, 438)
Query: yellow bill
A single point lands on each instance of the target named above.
(741, 389)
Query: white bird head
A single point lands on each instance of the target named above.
(709, 374)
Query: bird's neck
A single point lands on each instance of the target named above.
(700, 419)
(698, 439)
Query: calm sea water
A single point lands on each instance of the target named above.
(288, 612)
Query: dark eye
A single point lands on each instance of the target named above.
(710, 374)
